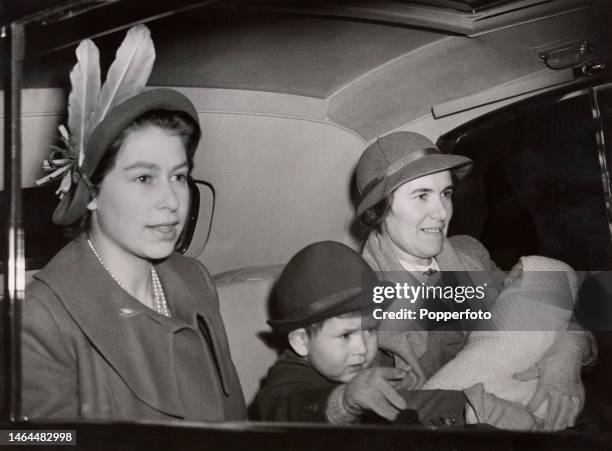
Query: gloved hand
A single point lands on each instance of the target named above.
(559, 380)
(437, 407)
(371, 390)
(498, 412)
(406, 347)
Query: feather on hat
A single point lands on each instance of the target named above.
(97, 114)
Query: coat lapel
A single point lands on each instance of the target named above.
(449, 260)
(189, 307)
(379, 254)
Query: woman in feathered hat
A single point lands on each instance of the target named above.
(406, 186)
(118, 325)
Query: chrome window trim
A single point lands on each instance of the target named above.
(603, 152)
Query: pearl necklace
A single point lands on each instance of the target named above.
(160, 305)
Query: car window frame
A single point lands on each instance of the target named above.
(14, 285)
(15, 52)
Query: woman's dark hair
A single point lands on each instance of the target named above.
(175, 123)
(373, 217)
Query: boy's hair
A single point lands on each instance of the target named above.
(313, 329)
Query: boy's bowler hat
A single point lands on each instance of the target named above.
(323, 280)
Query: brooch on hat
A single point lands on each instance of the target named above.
(89, 101)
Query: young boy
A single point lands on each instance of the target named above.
(333, 371)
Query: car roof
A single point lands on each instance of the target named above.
(368, 76)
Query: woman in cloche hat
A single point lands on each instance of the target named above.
(118, 325)
(406, 185)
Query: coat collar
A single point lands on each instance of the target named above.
(109, 316)
(378, 252)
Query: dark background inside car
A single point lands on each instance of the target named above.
(43, 239)
(536, 187)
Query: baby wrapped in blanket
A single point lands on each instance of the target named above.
(536, 304)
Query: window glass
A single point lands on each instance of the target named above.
(42, 238)
(537, 186)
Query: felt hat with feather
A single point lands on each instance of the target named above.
(98, 114)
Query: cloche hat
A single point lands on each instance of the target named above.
(397, 158)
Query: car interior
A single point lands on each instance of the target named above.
(289, 94)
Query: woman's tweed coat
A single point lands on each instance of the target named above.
(428, 351)
(425, 352)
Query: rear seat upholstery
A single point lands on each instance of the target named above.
(244, 297)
